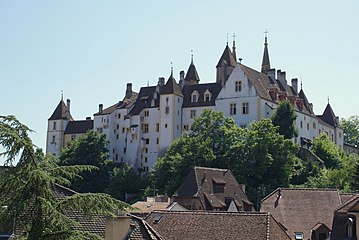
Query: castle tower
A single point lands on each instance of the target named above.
(57, 124)
(171, 100)
(225, 65)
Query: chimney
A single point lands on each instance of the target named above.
(161, 81)
(282, 79)
(243, 187)
(295, 84)
(100, 108)
(129, 90)
(182, 75)
(271, 73)
(117, 228)
(88, 118)
(68, 104)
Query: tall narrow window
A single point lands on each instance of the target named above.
(245, 108)
(145, 128)
(193, 113)
(157, 127)
(54, 126)
(232, 109)
(237, 86)
(147, 113)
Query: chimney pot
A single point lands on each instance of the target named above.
(68, 104)
(295, 84)
(161, 81)
(88, 118)
(129, 90)
(182, 75)
(100, 108)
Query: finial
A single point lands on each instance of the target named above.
(301, 85)
(328, 99)
(266, 35)
(234, 37)
(62, 95)
(148, 83)
(191, 57)
(171, 69)
(227, 39)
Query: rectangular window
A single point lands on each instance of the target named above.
(145, 128)
(308, 126)
(117, 136)
(118, 126)
(119, 115)
(193, 113)
(73, 136)
(124, 150)
(186, 127)
(314, 125)
(158, 141)
(54, 126)
(301, 124)
(146, 159)
(194, 98)
(147, 141)
(146, 150)
(147, 113)
(166, 125)
(157, 127)
(245, 108)
(237, 86)
(167, 110)
(123, 130)
(207, 97)
(53, 139)
(232, 109)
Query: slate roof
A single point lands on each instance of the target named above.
(227, 58)
(78, 127)
(125, 103)
(299, 210)
(192, 75)
(61, 112)
(200, 183)
(263, 83)
(144, 100)
(329, 117)
(187, 90)
(171, 87)
(215, 225)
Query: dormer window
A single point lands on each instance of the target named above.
(238, 86)
(207, 96)
(194, 96)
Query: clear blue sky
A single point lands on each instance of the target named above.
(91, 49)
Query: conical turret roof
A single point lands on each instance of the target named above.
(61, 112)
(227, 57)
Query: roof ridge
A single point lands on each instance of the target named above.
(209, 168)
(204, 212)
(347, 202)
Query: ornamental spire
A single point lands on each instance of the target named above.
(265, 61)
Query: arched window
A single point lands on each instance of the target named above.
(349, 227)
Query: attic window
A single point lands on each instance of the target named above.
(207, 96)
(298, 235)
(194, 96)
(157, 218)
(237, 86)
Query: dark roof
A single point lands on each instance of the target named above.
(227, 58)
(187, 90)
(144, 100)
(192, 75)
(329, 116)
(299, 210)
(263, 84)
(125, 103)
(61, 112)
(78, 127)
(215, 225)
(171, 87)
(200, 183)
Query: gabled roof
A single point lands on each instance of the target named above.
(187, 90)
(171, 87)
(227, 58)
(125, 103)
(329, 116)
(216, 225)
(78, 127)
(61, 112)
(144, 100)
(201, 181)
(192, 75)
(300, 209)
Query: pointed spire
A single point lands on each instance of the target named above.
(192, 75)
(227, 39)
(62, 95)
(265, 61)
(191, 57)
(234, 47)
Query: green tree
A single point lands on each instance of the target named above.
(207, 144)
(328, 151)
(89, 149)
(284, 117)
(265, 160)
(351, 130)
(126, 180)
(27, 189)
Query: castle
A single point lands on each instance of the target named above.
(143, 125)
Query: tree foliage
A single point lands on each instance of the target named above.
(28, 189)
(259, 156)
(89, 149)
(284, 117)
(328, 151)
(351, 130)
